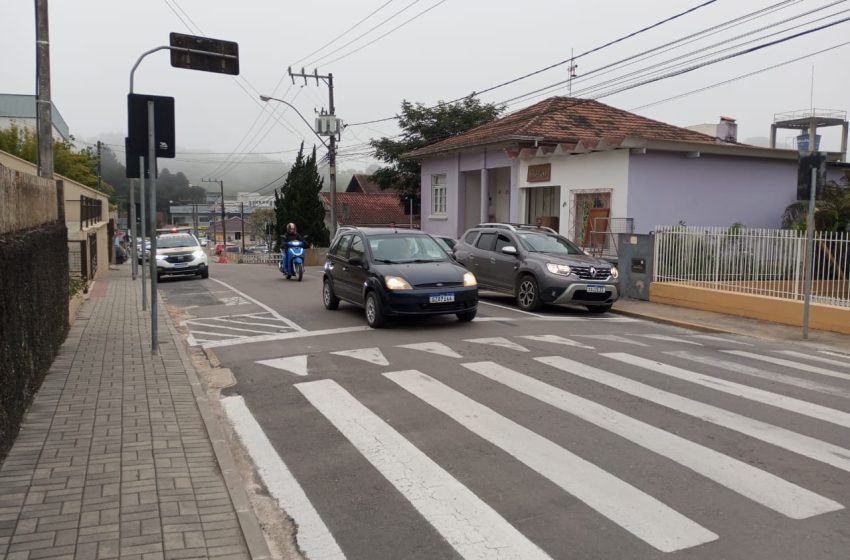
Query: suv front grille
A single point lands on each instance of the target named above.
(583, 272)
(179, 258)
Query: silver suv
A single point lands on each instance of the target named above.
(537, 266)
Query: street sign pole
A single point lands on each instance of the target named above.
(134, 265)
(152, 189)
(810, 247)
(142, 233)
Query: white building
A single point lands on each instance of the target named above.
(21, 110)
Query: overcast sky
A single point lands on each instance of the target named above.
(450, 50)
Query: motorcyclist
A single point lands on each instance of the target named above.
(291, 234)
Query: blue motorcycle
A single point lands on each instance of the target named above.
(292, 260)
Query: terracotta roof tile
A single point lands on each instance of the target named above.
(365, 209)
(567, 120)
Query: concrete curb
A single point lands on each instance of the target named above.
(674, 322)
(250, 525)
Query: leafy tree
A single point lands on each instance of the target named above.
(298, 201)
(258, 224)
(422, 126)
(77, 165)
(832, 213)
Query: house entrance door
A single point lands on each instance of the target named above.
(588, 208)
(543, 203)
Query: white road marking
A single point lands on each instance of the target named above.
(791, 364)
(193, 322)
(667, 338)
(251, 323)
(613, 338)
(432, 347)
(514, 309)
(499, 341)
(841, 363)
(228, 335)
(371, 355)
(799, 406)
(467, 523)
(837, 354)
(236, 300)
(555, 339)
(735, 367)
(313, 536)
(816, 449)
(720, 339)
(292, 364)
(760, 486)
(635, 511)
(274, 313)
(286, 336)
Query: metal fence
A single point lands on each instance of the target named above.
(605, 233)
(766, 262)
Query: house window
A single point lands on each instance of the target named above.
(438, 195)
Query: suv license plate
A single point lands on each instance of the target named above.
(441, 298)
(596, 289)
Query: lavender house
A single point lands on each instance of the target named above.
(579, 166)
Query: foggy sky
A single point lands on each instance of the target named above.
(458, 47)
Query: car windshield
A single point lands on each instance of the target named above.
(176, 241)
(406, 248)
(548, 243)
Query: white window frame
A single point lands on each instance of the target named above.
(438, 194)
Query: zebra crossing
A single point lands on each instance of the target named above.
(528, 400)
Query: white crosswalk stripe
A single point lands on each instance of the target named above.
(735, 367)
(724, 339)
(614, 338)
(472, 527)
(637, 512)
(806, 446)
(555, 339)
(845, 363)
(499, 341)
(790, 363)
(760, 486)
(805, 408)
(667, 338)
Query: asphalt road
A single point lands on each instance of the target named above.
(560, 434)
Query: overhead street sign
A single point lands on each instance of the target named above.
(204, 54)
(137, 125)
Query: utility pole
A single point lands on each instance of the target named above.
(223, 218)
(242, 222)
(99, 166)
(44, 105)
(329, 80)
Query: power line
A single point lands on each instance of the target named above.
(326, 55)
(737, 78)
(361, 47)
(561, 63)
(343, 34)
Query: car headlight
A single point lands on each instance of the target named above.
(396, 283)
(561, 269)
(158, 257)
(615, 273)
(469, 279)
(198, 254)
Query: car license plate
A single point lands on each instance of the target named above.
(178, 265)
(596, 289)
(441, 298)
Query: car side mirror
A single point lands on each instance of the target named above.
(358, 262)
(510, 250)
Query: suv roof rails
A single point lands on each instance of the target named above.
(515, 227)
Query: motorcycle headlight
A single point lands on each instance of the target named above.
(198, 254)
(615, 273)
(469, 279)
(396, 283)
(561, 269)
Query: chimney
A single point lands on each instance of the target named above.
(727, 129)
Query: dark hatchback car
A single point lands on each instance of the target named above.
(392, 272)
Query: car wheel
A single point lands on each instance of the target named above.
(374, 314)
(205, 272)
(328, 296)
(467, 316)
(599, 308)
(528, 294)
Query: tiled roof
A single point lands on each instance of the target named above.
(365, 209)
(568, 120)
(360, 182)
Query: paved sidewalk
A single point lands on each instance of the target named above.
(719, 322)
(119, 455)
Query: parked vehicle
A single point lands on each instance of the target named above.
(292, 260)
(392, 272)
(447, 243)
(180, 254)
(537, 266)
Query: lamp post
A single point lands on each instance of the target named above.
(331, 147)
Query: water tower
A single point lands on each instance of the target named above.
(807, 122)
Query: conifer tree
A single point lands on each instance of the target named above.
(298, 201)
